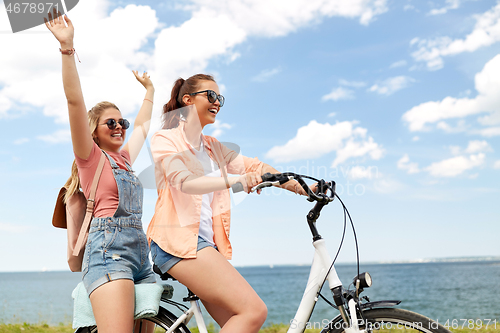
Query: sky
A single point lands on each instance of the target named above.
(398, 102)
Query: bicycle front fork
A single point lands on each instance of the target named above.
(351, 322)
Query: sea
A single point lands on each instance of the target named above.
(443, 291)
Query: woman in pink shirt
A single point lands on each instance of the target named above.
(116, 253)
(189, 232)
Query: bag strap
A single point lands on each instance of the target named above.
(90, 207)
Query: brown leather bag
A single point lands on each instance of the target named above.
(75, 216)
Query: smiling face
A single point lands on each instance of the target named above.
(110, 139)
(207, 111)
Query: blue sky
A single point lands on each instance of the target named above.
(397, 101)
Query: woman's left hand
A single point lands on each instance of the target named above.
(144, 79)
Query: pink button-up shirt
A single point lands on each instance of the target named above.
(175, 224)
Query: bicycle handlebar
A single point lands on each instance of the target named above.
(320, 195)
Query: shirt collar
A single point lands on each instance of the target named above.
(204, 141)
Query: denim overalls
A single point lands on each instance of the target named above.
(117, 247)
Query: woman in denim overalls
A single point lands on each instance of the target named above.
(117, 247)
(116, 254)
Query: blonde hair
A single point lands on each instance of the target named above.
(73, 184)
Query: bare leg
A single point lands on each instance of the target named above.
(227, 296)
(113, 306)
(144, 326)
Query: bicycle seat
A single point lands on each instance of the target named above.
(164, 276)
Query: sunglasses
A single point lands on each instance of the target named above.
(124, 123)
(212, 96)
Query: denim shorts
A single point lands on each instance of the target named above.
(165, 260)
(117, 248)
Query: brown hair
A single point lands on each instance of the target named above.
(171, 113)
(73, 183)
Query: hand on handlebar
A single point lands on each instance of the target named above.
(312, 187)
(250, 180)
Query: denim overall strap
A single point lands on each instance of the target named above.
(130, 192)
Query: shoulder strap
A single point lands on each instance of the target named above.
(90, 207)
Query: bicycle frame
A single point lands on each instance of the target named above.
(319, 268)
(195, 310)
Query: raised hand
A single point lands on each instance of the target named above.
(144, 79)
(64, 34)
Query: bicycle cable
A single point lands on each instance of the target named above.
(357, 253)
(353, 231)
(338, 251)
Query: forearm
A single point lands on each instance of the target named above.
(71, 80)
(203, 185)
(80, 134)
(144, 116)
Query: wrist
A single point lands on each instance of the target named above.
(66, 45)
(233, 180)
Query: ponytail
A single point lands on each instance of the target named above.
(171, 111)
(171, 119)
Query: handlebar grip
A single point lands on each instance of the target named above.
(237, 187)
(268, 177)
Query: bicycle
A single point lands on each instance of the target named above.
(357, 314)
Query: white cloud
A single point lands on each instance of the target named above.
(266, 74)
(487, 84)
(354, 84)
(219, 127)
(315, 140)
(387, 185)
(415, 138)
(362, 172)
(332, 114)
(356, 148)
(485, 33)
(60, 136)
(455, 166)
(461, 126)
(477, 146)
(488, 132)
(473, 147)
(338, 94)
(404, 164)
(450, 4)
(280, 17)
(391, 85)
(21, 141)
(110, 46)
(497, 164)
(397, 64)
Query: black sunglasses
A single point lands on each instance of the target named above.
(212, 96)
(124, 123)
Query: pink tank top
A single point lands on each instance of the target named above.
(106, 198)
